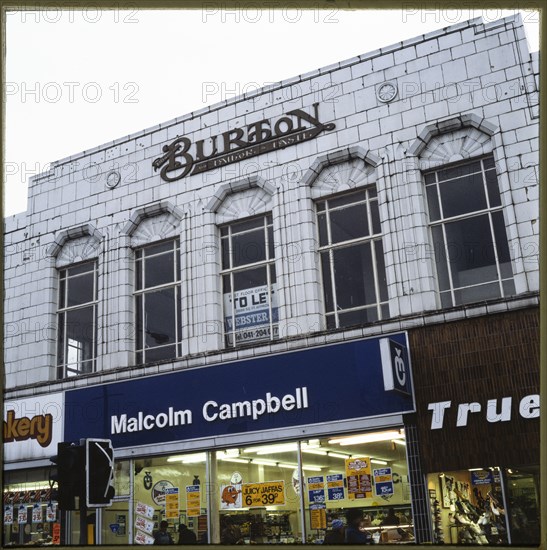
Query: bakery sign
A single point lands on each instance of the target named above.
(184, 157)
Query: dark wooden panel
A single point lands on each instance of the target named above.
(477, 359)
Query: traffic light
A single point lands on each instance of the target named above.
(69, 475)
(99, 472)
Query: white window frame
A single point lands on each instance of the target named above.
(142, 292)
(64, 369)
(330, 247)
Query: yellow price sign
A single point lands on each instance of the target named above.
(268, 493)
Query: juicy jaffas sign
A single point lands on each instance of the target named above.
(183, 157)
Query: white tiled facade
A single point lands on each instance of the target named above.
(462, 92)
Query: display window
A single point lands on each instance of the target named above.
(279, 493)
(261, 493)
(31, 516)
(485, 506)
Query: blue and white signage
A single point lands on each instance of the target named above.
(335, 486)
(383, 482)
(275, 391)
(395, 366)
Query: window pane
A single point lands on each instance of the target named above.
(462, 196)
(433, 202)
(248, 248)
(502, 247)
(250, 278)
(429, 178)
(159, 354)
(138, 318)
(477, 293)
(225, 251)
(493, 189)
(138, 274)
(159, 270)
(61, 340)
(471, 251)
(327, 282)
(159, 312)
(353, 275)
(238, 227)
(323, 235)
(80, 332)
(375, 215)
(80, 290)
(62, 290)
(381, 270)
(350, 198)
(349, 223)
(82, 268)
(271, 251)
(462, 170)
(440, 257)
(359, 317)
(509, 287)
(488, 162)
(158, 248)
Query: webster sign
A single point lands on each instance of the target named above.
(183, 157)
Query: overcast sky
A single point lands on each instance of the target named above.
(77, 79)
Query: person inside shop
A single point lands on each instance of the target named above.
(336, 533)
(186, 536)
(390, 518)
(162, 536)
(231, 533)
(353, 533)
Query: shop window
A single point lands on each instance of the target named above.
(486, 506)
(249, 284)
(30, 510)
(157, 302)
(352, 259)
(77, 320)
(470, 243)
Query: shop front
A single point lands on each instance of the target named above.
(264, 450)
(478, 416)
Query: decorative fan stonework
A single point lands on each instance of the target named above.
(342, 177)
(75, 244)
(78, 250)
(454, 146)
(160, 227)
(244, 204)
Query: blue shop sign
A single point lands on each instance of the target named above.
(313, 386)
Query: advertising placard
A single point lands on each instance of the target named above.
(172, 503)
(56, 533)
(335, 487)
(8, 514)
(193, 500)
(318, 516)
(383, 482)
(251, 314)
(37, 516)
(316, 489)
(146, 525)
(267, 493)
(230, 497)
(51, 512)
(145, 510)
(143, 538)
(484, 477)
(358, 475)
(22, 514)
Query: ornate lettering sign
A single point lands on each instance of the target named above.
(183, 157)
